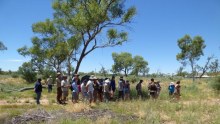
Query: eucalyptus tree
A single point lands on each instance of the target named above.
(122, 62)
(92, 20)
(191, 51)
(78, 27)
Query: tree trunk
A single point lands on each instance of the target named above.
(69, 67)
(126, 73)
(83, 54)
(78, 64)
(193, 74)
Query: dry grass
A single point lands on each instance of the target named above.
(78, 107)
(198, 104)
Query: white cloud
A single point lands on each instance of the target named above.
(13, 60)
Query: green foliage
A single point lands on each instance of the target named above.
(122, 62)
(214, 66)
(47, 72)
(191, 50)
(103, 72)
(50, 47)
(133, 78)
(78, 24)
(2, 46)
(181, 73)
(139, 65)
(215, 84)
(28, 73)
(91, 18)
(14, 75)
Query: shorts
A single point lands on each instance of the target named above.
(74, 96)
(90, 94)
(171, 93)
(126, 91)
(65, 93)
(85, 94)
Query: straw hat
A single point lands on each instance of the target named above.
(171, 83)
(107, 81)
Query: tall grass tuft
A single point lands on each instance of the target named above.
(215, 84)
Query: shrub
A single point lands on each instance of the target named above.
(14, 75)
(133, 79)
(27, 72)
(215, 84)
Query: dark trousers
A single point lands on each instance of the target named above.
(50, 88)
(120, 94)
(106, 96)
(139, 93)
(38, 97)
(59, 94)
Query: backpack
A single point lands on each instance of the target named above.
(153, 87)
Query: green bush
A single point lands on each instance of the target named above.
(14, 75)
(215, 84)
(133, 79)
(27, 72)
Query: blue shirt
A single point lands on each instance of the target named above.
(38, 87)
(75, 87)
(171, 88)
(112, 84)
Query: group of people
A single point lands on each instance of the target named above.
(91, 89)
(103, 90)
(174, 90)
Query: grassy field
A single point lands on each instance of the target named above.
(199, 104)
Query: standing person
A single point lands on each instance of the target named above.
(106, 90)
(152, 89)
(78, 82)
(90, 89)
(96, 89)
(100, 90)
(177, 90)
(59, 90)
(75, 92)
(84, 91)
(139, 89)
(127, 90)
(38, 90)
(64, 87)
(120, 88)
(158, 88)
(112, 87)
(171, 89)
(50, 84)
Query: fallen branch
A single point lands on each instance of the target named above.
(22, 89)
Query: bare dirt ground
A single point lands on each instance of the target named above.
(40, 115)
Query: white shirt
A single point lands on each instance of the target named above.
(106, 87)
(49, 81)
(64, 85)
(83, 88)
(90, 86)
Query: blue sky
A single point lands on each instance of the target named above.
(153, 34)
